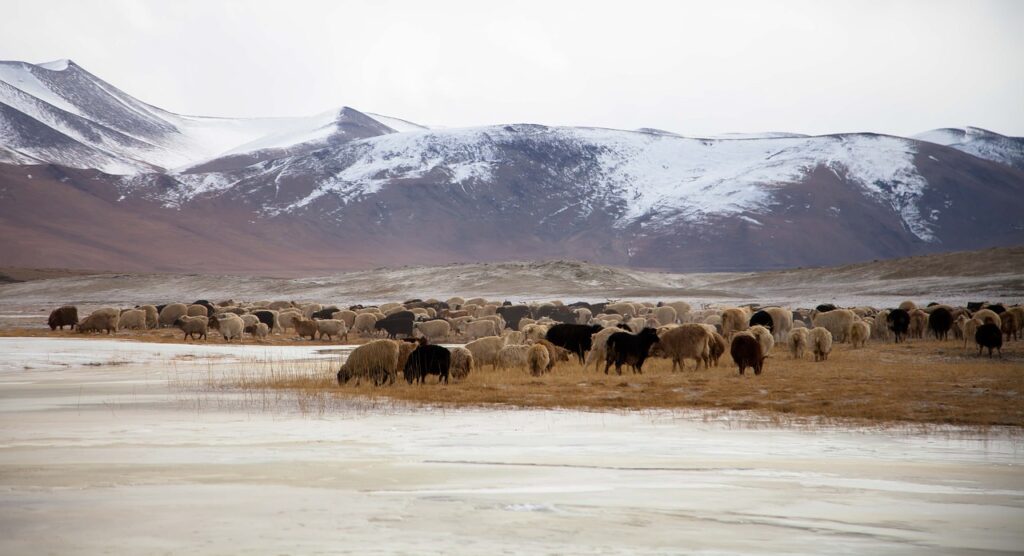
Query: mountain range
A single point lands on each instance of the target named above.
(91, 177)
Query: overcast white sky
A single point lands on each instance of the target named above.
(691, 67)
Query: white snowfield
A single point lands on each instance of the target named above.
(105, 450)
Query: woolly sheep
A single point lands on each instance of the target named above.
(970, 328)
(598, 347)
(287, 318)
(305, 327)
(99, 320)
(249, 320)
(583, 316)
(280, 305)
(746, 352)
(733, 320)
(537, 359)
(624, 309)
(349, 317)
(918, 323)
(510, 357)
(859, 333)
(462, 362)
(880, 331)
(332, 328)
(376, 360)
(260, 330)
(172, 312)
(837, 322)
(434, 330)
(152, 315)
(666, 314)
(513, 337)
(132, 319)
(197, 311)
(191, 326)
(363, 323)
(764, 337)
(820, 340)
(988, 316)
(689, 341)
(682, 309)
(455, 303)
(485, 350)
(782, 322)
(480, 329)
(230, 326)
(797, 342)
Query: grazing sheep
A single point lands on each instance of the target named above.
(880, 330)
(688, 341)
(908, 306)
(762, 318)
(462, 363)
(764, 337)
(989, 336)
(837, 322)
(1018, 315)
(988, 316)
(624, 309)
(60, 317)
(192, 326)
(171, 313)
(287, 318)
(305, 327)
(574, 337)
(99, 320)
(820, 340)
(958, 327)
(555, 353)
(376, 360)
(1010, 325)
(717, 347)
(666, 314)
(534, 331)
(513, 336)
(132, 319)
(859, 334)
(899, 324)
(280, 305)
(630, 349)
(918, 323)
(940, 321)
(510, 357)
(598, 347)
(195, 310)
(455, 303)
(798, 342)
(269, 318)
(485, 350)
(426, 360)
(970, 327)
(682, 309)
(538, 359)
(480, 329)
(260, 330)
(583, 315)
(434, 330)
(332, 329)
(249, 320)
(733, 320)
(229, 325)
(782, 322)
(363, 323)
(348, 316)
(152, 315)
(746, 352)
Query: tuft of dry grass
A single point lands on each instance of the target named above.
(923, 382)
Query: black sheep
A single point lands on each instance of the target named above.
(940, 322)
(574, 337)
(324, 314)
(746, 352)
(513, 314)
(63, 316)
(989, 336)
(630, 349)
(428, 360)
(899, 323)
(825, 307)
(764, 319)
(266, 317)
(397, 323)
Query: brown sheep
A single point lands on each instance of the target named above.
(305, 327)
(717, 347)
(192, 326)
(462, 363)
(746, 352)
(797, 342)
(688, 341)
(63, 316)
(99, 320)
(733, 320)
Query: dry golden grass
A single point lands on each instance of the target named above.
(921, 382)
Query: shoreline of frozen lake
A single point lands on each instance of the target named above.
(98, 453)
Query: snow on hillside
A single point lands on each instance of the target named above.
(651, 174)
(978, 142)
(397, 124)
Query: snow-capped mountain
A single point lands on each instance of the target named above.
(351, 189)
(60, 113)
(979, 142)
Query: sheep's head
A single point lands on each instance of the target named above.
(344, 375)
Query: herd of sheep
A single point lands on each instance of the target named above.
(404, 337)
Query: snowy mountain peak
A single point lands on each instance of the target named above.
(56, 65)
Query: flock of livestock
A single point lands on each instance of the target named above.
(537, 336)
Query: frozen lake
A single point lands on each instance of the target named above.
(103, 450)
